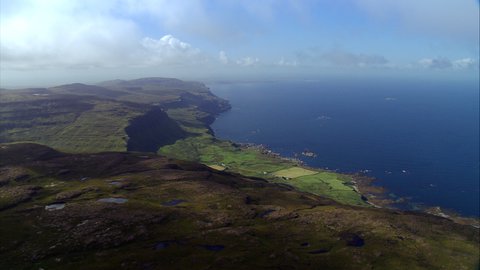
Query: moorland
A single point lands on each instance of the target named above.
(128, 174)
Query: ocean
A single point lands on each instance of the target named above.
(419, 139)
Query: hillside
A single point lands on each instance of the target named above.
(163, 115)
(142, 211)
(113, 117)
(128, 174)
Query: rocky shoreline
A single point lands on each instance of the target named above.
(377, 197)
(374, 195)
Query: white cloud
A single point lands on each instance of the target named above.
(435, 63)
(84, 34)
(464, 63)
(170, 50)
(223, 58)
(445, 63)
(193, 17)
(248, 61)
(74, 34)
(340, 57)
(63, 34)
(284, 63)
(343, 58)
(456, 20)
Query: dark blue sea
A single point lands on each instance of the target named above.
(420, 139)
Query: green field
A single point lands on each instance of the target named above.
(72, 125)
(294, 172)
(217, 167)
(252, 162)
(332, 185)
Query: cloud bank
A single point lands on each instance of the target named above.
(456, 20)
(343, 58)
(445, 63)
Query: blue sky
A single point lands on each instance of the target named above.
(55, 41)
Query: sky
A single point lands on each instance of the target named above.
(49, 42)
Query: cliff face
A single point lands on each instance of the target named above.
(150, 131)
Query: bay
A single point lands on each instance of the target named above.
(418, 138)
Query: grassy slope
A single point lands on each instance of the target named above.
(68, 124)
(99, 129)
(260, 225)
(294, 172)
(87, 118)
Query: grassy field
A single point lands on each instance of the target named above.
(252, 162)
(294, 172)
(211, 151)
(217, 167)
(332, 185)
(84, 125)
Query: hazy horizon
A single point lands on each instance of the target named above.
(46, 43)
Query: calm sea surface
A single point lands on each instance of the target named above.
(420, 139)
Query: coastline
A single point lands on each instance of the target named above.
(373, 195)
(377, 196)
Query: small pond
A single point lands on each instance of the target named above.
(113, 200)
